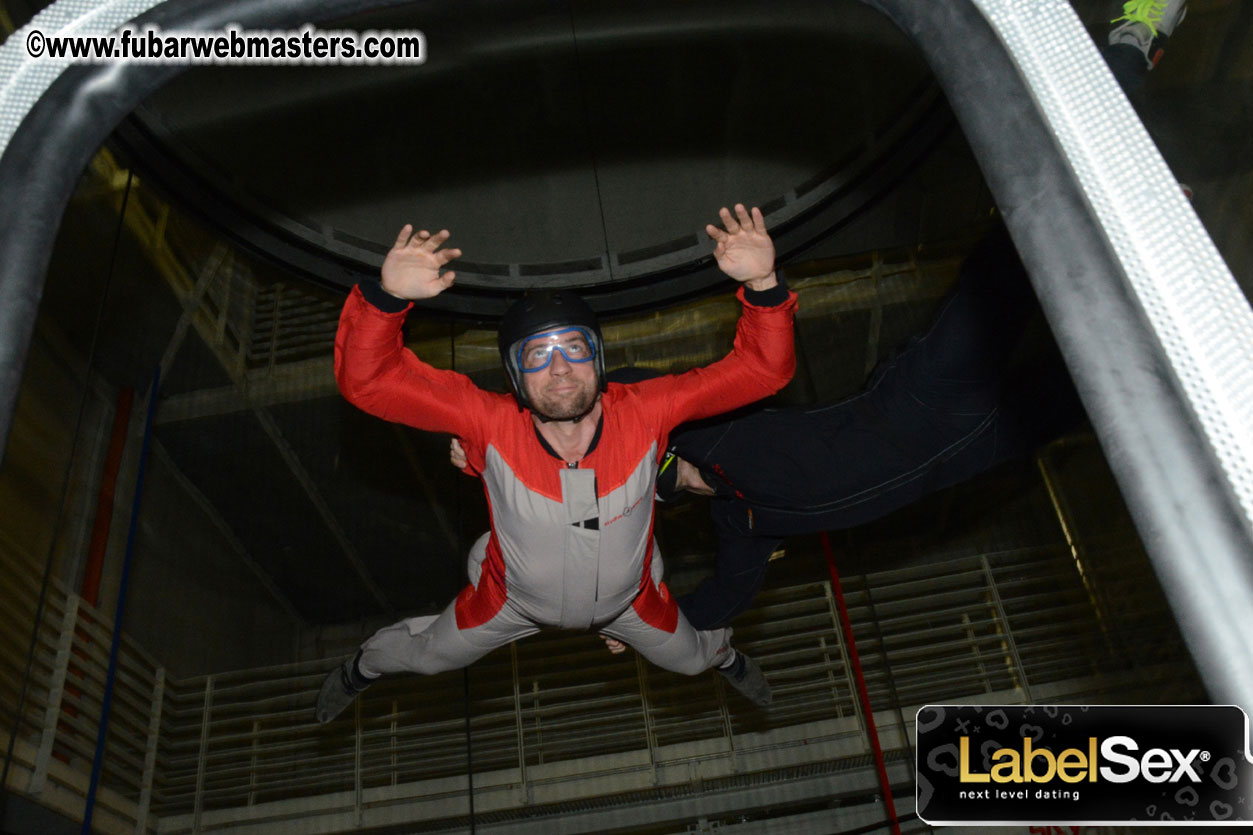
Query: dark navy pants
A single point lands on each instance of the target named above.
(941, 411)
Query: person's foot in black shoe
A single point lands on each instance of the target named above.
(745, 676)
(341, 686)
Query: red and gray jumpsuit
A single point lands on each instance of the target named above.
(570, 546)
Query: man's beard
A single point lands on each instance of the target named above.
(571, 408)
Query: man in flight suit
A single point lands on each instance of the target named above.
(568, 462)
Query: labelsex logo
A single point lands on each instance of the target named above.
(1039, 765)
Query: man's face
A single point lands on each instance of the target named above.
(559, 373)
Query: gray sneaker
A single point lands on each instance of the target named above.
(339, 688)
(746, 677)
(1147, 25)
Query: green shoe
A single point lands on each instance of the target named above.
(1146, 25)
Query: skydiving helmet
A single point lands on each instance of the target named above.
(547, 311)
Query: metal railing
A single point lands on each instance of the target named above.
(556, 719)
(56, 732)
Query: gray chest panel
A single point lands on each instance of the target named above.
(576, 562)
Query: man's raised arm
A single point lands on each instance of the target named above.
(763, 357)
(375, 372)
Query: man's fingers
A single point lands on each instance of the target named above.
(423, 239)
(728, 220)
(759, 220)
(446, 255)
(614, 645)
(457, 455)
(403, 237)
(448, 278)
(435, 241)
(715, 233)
(742, 217)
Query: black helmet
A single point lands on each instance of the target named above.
(539, 311)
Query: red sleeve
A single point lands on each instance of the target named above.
(762, 361)
(379, 375)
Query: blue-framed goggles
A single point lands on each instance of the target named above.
(535, 353)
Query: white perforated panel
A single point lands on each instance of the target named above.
(24, 79)
(1194, 305)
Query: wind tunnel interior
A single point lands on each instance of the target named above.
(211, 242)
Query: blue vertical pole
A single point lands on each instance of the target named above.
(98, 761)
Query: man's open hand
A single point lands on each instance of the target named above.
(411, 269)
(744, 251)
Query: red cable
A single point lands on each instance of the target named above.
(104, 501)
(864, 696)
(94, 571)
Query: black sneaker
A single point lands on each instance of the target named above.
(341, 686)
(746, 677)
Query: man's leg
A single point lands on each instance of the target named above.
(428, 647)
(657, 630)
(945, 407)
(425, 645)
(963, 355)
(936, 405)
(739, 572)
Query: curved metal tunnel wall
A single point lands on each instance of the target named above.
(1186, 488)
